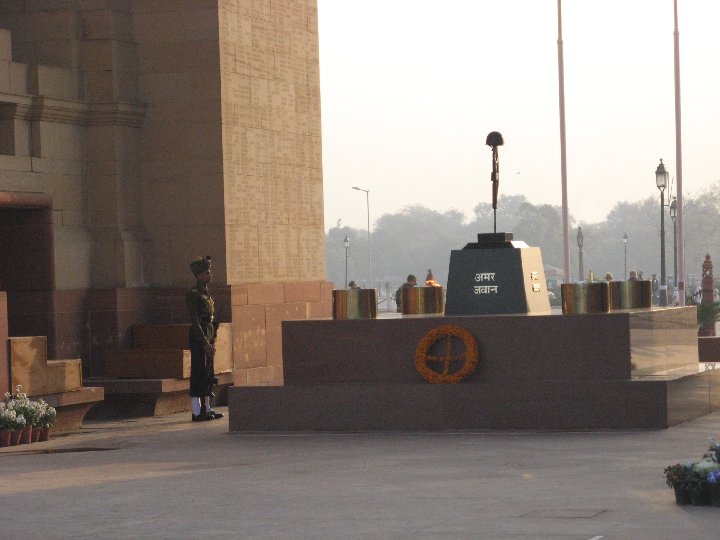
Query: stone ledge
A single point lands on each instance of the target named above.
(548, 404)
(141, 386)
(72, 407)
(130, 398)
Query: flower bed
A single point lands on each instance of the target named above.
(697, 483)
(23, 421)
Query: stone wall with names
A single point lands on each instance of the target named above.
(270, 103)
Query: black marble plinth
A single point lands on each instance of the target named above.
(496, 280)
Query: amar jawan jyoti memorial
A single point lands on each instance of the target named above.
(497, 359)
(137, 135)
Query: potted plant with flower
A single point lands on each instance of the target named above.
(22, 405)
(14, 418)
(713, 479)
(7, 424)
(697, 483)
(17, 426)
(46, 421)
(677, 477)
(17, 432)
(698, 486)
(38, 407)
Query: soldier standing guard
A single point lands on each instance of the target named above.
(203, 331)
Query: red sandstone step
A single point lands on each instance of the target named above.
(175, 336)
(148, 364)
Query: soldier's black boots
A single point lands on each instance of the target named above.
(212, 415)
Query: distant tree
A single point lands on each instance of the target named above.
(417, 238)
(604, 250)
(508, 210)
(541, 226)
(701, 223)
(414, 240)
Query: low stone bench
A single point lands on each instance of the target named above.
(57, 382)
(72, 407)
(129, 398)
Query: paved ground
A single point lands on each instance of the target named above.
(170, 478)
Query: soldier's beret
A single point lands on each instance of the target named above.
(200, 265)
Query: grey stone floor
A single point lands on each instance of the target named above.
(170, 478)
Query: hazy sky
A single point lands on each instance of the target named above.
(411, 88)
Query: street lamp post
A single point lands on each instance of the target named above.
(661, 178)
(346, 243)
(367, 201)
(680, 278)
(625, 239)
(580, 261)
(673, 216)
(563, 152)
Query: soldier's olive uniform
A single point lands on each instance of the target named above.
(203, 330)
(399, 296)
(399, 293)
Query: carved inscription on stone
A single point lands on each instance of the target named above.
(272, 153)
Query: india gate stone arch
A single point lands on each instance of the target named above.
(162, 131)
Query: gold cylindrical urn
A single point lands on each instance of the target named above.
(580, 298)
(354, 303)
(630, 294)
(422, 300)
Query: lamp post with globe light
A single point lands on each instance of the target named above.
(580, 240)
(346, 243)
(673, 216)
(367, 201)
(625, 240)
(661, 179)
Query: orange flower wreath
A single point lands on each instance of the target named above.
(447, 332)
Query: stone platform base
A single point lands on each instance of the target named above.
(628, 369)
(652, 402)
(131, 398)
